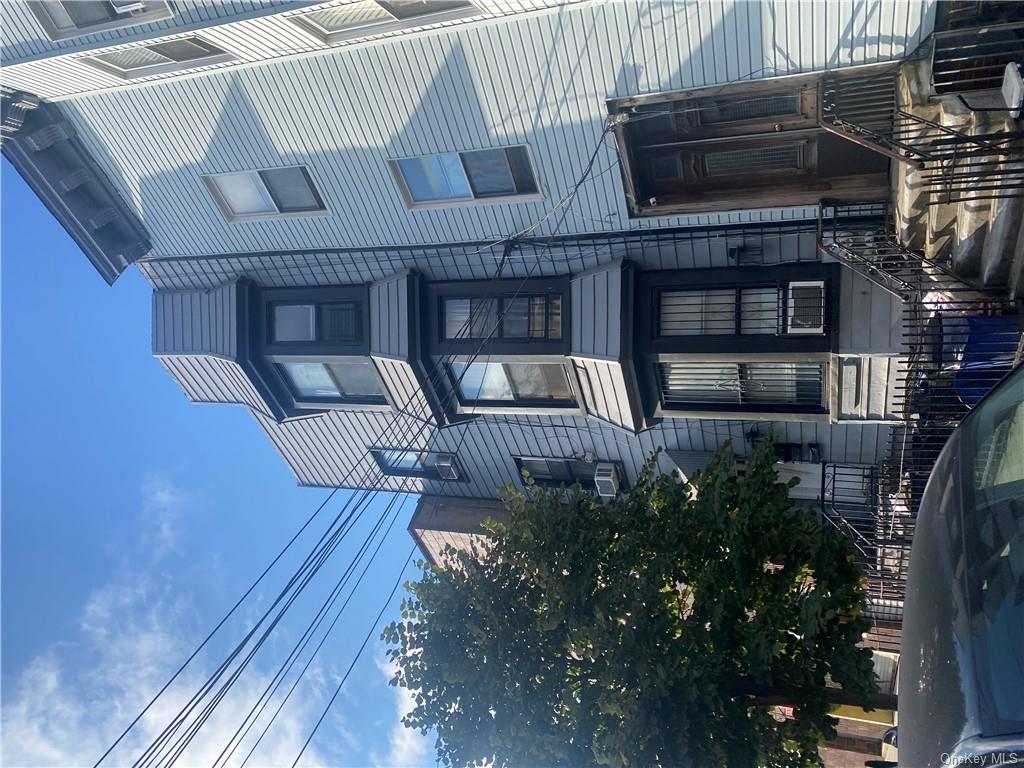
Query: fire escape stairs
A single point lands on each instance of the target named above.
(958, 170)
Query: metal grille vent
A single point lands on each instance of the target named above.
(733, 162)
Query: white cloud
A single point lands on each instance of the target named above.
(70, 702)
(406, 747)
(162, 504)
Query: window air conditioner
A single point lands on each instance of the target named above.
(606, 479)
(446, 466)
(130, 7)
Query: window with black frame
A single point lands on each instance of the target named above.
(509, 317)
(514, 384)
(556, 473)
(314, 341)
(798, 307)
(770, 386)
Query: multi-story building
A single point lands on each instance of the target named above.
(431, 245)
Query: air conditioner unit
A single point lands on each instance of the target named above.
(446, 466)
(131, 7)
(606, 479)
(806, 307)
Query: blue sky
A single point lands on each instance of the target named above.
(132, 520)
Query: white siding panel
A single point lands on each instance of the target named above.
(251, 32)
(540, 79)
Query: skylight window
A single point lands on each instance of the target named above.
(369, 17)
(159, 58)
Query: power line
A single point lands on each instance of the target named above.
(359, 653)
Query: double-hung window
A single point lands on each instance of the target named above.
(63, 19)
(159, 58)
(410, 462)
(374, 17)
(456, 177)
(348, 381)
(268, 193)
(554, 473)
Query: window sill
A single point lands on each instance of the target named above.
(672, 413)
(273, 216)
(503, 200)
(569, 409)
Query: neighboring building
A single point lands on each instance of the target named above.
(352, 217)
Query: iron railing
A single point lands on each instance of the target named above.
(853, 503)
(968, 160)
(974, 59)
(959, 342)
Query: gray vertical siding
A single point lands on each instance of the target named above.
(404, 387)
(210, 379)
(331, 450)
(870, 388)
(870, 318)
(691, 248)
(538, 79)
(596, 300)
(196, 322)
(390, 328)
(606, 392)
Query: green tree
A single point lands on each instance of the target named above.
(654, 629)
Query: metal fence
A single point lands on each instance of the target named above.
(960, 341)
(954, 160)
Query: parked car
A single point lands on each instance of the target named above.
(961, 676)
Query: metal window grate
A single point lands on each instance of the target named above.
(748, 107)
(748, 386)
(735, 162)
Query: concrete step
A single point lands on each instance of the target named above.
(1004, 232)
(972, 223)
(942, 232)
(1015, 279)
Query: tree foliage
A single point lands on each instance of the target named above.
(651, 629)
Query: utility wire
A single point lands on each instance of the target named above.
(359, 653)
(325, 553)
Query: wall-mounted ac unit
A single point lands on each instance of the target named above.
(606, 479)
(131, 7)
(806, 307)
(446, 466)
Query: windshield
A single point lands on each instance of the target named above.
(992, 492)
